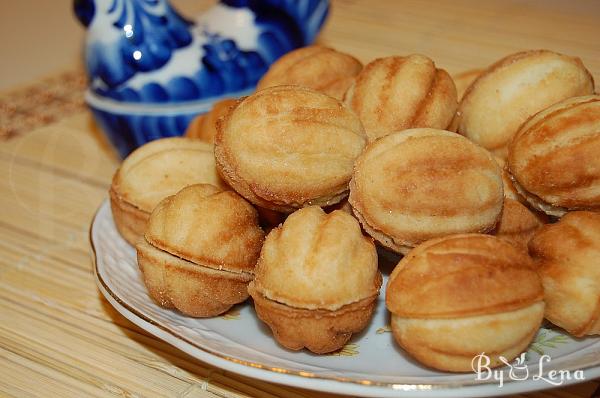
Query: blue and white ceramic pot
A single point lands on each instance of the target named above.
(151, 71)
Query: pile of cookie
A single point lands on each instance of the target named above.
(283, 195)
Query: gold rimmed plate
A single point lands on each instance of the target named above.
(371, 364)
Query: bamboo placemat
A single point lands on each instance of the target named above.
(58, 336)
(42, 102)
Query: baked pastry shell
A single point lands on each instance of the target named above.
(397, 93)
(553, 158)
(518, 224)
(463, 80)
(130, 220)
(462, 276)
(131, 206)
(567, 254)
(318, 261)
(452, 344)
(388, 212)
(537, 203)
(192, 289)
(208, 226)
(385, 240)
(161, 168)
(513, 89)
(287, 188)
(321, 68)
(320, 331)
(204, 127)
(455, 297)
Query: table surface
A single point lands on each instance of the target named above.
(58, 336)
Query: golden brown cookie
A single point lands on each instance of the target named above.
(321, 68)
(518, 224)
(419, 184)
(510, 91)
(287, 147)
(204, 127)
(464, 80)
(398, 93)
(455, 297)
(151, 173)
(343, 206)
(199, 250)
(554, 158)
(510, 192)
(568, 254)
(316, 281)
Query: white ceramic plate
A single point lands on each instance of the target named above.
(371, 364)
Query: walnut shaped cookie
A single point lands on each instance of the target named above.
(151, 173)
(568, 254)
(398, 93)
(419, 184)
(199, 250)
(512, 90)
(554, 159)
(318, 67)
(455, 297)
(316, 281)
(288, 147)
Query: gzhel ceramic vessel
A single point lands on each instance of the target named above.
(151, 71)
